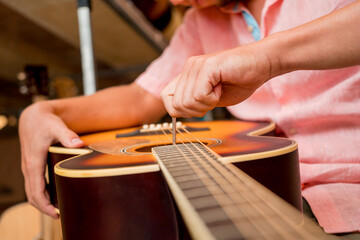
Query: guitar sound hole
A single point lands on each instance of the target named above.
(147, 148)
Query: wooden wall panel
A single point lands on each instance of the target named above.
(115, 43)
(23, 42)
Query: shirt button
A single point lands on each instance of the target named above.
(250, 28)
(292, 131)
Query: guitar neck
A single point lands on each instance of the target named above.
(218, 201)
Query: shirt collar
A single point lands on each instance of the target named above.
(233, 7)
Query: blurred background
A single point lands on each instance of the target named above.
(40, 59)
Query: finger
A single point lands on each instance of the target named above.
(28, 164)
(187, 113)
(195, 109)
(192, 81)
(35, 187)
(198, 102)
(41, 197)
(167, 96)
(183, 100)
(67, 137)
(190, 104)
(182, 85)
(27, 185)
(208, 88)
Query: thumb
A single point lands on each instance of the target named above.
(218, 91)
(70, 139)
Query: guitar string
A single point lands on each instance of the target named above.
(226, 175)
(234, 171)
(159, 141)
(232, 184)
(206, 181)
(231, 194)
(192, 165)
(219, 197)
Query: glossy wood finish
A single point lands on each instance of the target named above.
(234, 137)
(135, 206)
(218, 201)
(280, 174)
(125, 195)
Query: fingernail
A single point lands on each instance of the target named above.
(76, 141)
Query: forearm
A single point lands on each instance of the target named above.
(111, 108)
(329, 42)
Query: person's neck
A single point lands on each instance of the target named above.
(255, 7)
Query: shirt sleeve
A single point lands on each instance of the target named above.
(184, 44)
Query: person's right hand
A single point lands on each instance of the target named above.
(39, 127)
(218, 79)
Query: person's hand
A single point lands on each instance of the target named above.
(220, 79)
(39, 127)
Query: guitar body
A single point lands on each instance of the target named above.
(114, 188)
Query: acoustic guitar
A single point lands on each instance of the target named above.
(136, 184)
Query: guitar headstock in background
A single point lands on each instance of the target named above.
(34, 81)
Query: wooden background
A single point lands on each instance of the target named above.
(45, 32)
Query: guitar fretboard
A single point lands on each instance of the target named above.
(218, 200)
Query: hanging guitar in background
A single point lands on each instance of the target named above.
(34, 82)
(135, 184)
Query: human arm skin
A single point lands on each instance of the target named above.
(229, 77)
(115, 107)
(45, 123)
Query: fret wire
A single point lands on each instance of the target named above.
(249, 219)
(233, 181)
(231, 169)
(220, 178)
(195, 168)
(284, 216)
(235, 196)
(234, 170)
(222, 200)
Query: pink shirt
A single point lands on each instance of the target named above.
(319, 109)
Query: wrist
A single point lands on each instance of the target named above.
(37, 109)
(43, 107)
(273, 50)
